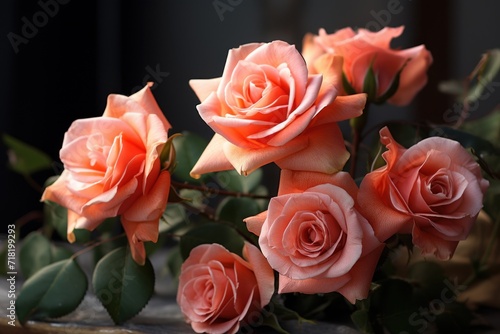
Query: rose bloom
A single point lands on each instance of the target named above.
(365, 48)
(433, 190)
(219, 291)
(314, 236)
(267, 108)
(112, 167)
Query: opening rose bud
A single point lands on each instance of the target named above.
(371, 65)
(112, 168)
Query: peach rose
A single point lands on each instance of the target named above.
(267, 108)
(219, 291)
(363, 49)
(433, 190)
(314, 236)
(112, 167)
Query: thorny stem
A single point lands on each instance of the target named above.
(217, 191)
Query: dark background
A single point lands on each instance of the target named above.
(82, 51)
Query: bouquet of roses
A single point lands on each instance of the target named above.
(356, 232)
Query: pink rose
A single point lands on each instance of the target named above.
(219, 291)
(267, 108)
(314, 236)
(363, 49)
(433, 190)
(112, 167)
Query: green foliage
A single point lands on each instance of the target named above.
(208, 233)
(53, 291)
(122, 286)
(188, 148)
(25, 159)
(37, 252)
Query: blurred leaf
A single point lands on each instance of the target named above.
(361, 319)
(37, 252)
(487, 127)
(174, 262)
(234, 210)
(452, 87)
(174, 217)
(52, 292)
(233, 181)
(393, 303)
(455, 318)
(485, 71)
(123, 286)
(25, 159)
(208, 233)
(188, 148)
(472, 88)
(430, 279)
(468, 140)
(4, 258)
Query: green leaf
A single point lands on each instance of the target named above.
(174, 262)
(37, 252)
(188, 149)
(25, 159)
(361, 318)
(487, 127)
(234, 210)
(54, 291)
(486, 70)
(208, 233)
(393, 303)
(123, 286)
(370, 86)
(174, 217)
(233, 181)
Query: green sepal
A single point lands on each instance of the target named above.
(370, 85)
(392, 89)
(347, 85)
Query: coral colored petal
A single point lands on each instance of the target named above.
(414, 76)
(385, 220)
(325, 151)
(311, 285)
(292, 181)
(150, 206)
(204, 87)
(431, 244)
(263, 272)
(361, 276)
(254, 223)
(246, 161)
(342, 108)
(212, 159)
